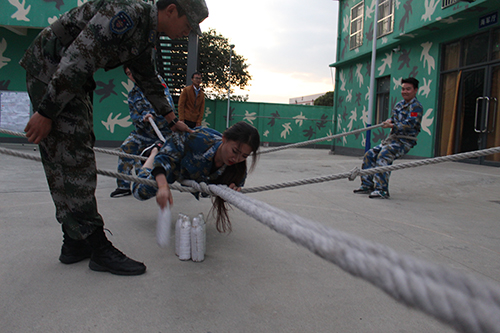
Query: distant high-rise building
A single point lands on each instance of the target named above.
(305, 100)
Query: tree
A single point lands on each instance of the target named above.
(326, 99)
(214, 51)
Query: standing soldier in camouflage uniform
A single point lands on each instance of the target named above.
(405, 126)
(143, 136)
(60, 65)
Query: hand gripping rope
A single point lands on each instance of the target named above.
(157, 131)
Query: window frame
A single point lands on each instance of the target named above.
(448, 3)
(383, 99)
(381, 20)
(357, 36)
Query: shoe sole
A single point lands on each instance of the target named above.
(359, 191)
(378, 197)
(68, 260)
(120, 195)
(98, 268)
(362, 192)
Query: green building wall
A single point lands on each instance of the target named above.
(34, 13)
(420, 29)
(277, 123)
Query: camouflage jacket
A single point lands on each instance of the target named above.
(98, 34)
(407, 118)
(139, 107)
(190, 156)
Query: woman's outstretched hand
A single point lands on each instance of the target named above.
(164, 196)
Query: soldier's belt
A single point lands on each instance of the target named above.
(392, 137)
(406, 137)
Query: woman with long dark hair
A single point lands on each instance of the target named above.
(203, 156)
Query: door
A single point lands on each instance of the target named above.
(469, 96)
(478, 120)
(493, 116)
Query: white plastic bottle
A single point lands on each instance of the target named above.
(197, 235)
(204, 231)
(178, 233)
(185, 239)
(163, 226)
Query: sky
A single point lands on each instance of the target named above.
(289, 45)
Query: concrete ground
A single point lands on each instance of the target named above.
(253, 279)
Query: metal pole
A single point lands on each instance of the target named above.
(229, 85)
(192, 60)
(371, 100)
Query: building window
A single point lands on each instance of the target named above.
(448, 3)
(356, 33)
(383, 93)
(385, 23)
(495, 45)
(471, 50)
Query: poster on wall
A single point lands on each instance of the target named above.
(15, 110)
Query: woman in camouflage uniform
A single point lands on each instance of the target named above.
(203, 156)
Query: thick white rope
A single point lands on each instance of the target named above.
(157, 130)
(355, 172)
(97, 150)
(462, 301)
(351, 175)
(120, 154)
(162, 138)
(101, 172)
(135, 157)
(331, 137)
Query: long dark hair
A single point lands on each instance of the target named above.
(243, 133)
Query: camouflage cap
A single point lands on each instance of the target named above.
(196, 12)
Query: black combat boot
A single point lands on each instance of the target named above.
(73, 250)
(106, 258)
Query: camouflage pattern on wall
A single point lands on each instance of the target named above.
(277, 123)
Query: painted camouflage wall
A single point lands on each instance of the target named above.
(35, 13)
(420, 28)
(277, 123)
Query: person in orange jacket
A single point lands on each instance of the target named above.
(192, 102)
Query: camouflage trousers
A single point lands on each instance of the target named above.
(69, 162)
(134, 144)
(382, 155)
